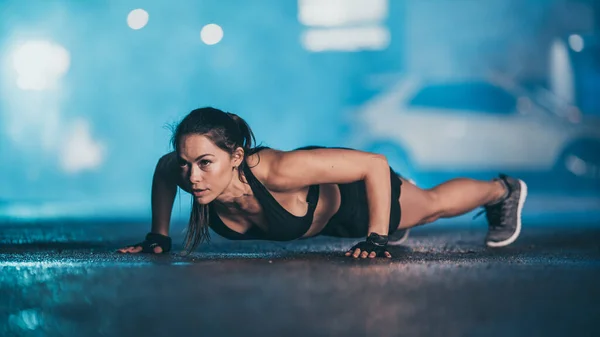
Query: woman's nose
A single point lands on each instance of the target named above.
(195, 174)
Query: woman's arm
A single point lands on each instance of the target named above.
(300, 168)
(164, 190)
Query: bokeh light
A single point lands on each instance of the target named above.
(211, 34)
(137, 19)
(40, 64)
(576, 42)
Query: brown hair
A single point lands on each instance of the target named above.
(226, 130)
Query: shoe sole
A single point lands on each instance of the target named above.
(401, 240)
(515, 235)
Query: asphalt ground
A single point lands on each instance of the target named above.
(64, 278)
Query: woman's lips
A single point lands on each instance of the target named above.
(199, 192)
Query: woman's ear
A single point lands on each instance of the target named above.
(237, 157)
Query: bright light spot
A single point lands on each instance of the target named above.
(137, 19)
(80, 151)
(330, 13)
(346, 39)
(211, 34)
(40, 64)
(576, 165)
(576, 42)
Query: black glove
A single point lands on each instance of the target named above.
(154, 240)
(374, 243)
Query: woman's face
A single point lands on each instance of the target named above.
(206, 168)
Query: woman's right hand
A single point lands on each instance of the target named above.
(154, 243)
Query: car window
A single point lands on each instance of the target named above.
(469, 96)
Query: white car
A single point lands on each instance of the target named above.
(475, 125)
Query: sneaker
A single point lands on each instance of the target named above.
(398, 237)
(504, 217)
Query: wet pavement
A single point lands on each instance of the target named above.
(62, 278)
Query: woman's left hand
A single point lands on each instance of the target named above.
(374, 246)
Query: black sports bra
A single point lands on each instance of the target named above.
(281, 224)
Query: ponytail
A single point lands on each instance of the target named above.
(246, 135)
(247, 140)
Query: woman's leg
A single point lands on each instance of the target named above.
(502, 198)
(450, 199)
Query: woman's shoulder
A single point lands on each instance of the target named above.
(270, 168)
(260, 163)
(265, 167)
(168, 164)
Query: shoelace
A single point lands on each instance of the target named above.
(494, 215)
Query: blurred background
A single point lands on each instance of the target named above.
(443, 88)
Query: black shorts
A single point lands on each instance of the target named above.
(352, 218)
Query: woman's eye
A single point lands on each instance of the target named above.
(205, 162)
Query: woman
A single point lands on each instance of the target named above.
(247, 192)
